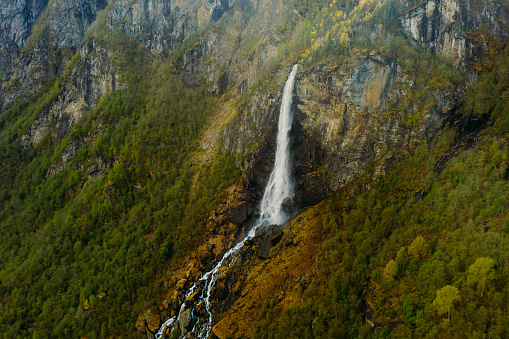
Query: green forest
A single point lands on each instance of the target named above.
(66, 239)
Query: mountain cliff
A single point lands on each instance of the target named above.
(137, 138)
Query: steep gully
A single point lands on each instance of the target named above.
(276, 198)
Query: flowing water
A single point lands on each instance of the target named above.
(278, 193)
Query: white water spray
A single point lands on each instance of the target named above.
(279, 188)
(278, 193)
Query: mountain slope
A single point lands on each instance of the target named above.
(136, 138)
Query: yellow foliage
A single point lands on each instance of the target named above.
(390, 271)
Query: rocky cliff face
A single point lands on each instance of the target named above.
(459, 30)
(236, 51)
(16, 21)
(68, 21)
(154, 23)
(341, 123)
(61, 25)
(162, 25)
(92, 77)
(343, 107)
(33, 70)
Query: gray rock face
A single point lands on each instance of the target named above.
(368, 85)
(226, 42)
(240, 51)
(162, 25)
(449, 27)
(34, 68)
(89, 81)
(185, 319)
(17, 18)
(68, 20)
(152, 22)
(65, 23)
(341, 106)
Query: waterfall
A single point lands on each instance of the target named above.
(279, 189)
(278, 193)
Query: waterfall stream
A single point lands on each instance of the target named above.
(278, 193)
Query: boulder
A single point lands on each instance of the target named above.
(264, 250)
(241, 213)
(184, 321)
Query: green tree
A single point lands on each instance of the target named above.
(390, 271)
(447, 296)
(481, 272)
(418, 248)
(166, 250)
(93, 301)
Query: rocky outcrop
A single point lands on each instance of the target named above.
(61, 28)
(341, 107)
(68, 20)
(92, 77)
(152, 22)
(149, 322)
(342, 127)
(218, 43)
(459, 30)
(338, 127)
(16, 21)
(161, 26)
(239, 50)
(33, 70)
